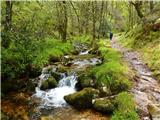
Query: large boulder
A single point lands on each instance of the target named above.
(62, 69)
(56, 75)
(104, 105)
(83, 98)
(49, 83)
(84, 81)
(104, 90)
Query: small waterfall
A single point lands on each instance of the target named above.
(54, 97)
(84, 52)
(82, 63)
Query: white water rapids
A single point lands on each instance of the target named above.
(55, 97)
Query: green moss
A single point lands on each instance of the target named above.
(52, 82)
(84, 81)
(49, 83)
(56, 75)
(83, 98)
(44, 85)
(104, 105)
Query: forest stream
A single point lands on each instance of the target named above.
(146, 88)
(51, 102)
(80, 60)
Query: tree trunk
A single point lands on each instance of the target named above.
(8, 15)
(100, 22)
(93, 43)
(77, 16)
(65, 22)
(151, 5)
(137, 6)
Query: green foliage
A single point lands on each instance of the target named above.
(52, 47)
(17, 56)
(84, 39)
(126, 108)
(131, 115)
(25, 55)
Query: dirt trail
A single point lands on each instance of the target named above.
(146, 89)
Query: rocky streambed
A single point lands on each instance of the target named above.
(59, 92)
(62, 91)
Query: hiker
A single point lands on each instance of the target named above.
(110, 35)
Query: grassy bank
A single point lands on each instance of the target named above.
(147, 44)
(113, 73)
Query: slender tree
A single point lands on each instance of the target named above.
(93, 43)
(8, 18)
(101, 18)
(65, 22)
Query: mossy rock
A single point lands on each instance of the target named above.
(84, 81)
(75, 52)
(104, 105)
(62, 69)
(56, 75)
(49, 83)
(104, 90)
(83, 98)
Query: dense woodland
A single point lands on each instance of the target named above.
(36, 34)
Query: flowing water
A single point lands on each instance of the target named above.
(53, 99)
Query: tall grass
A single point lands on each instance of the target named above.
(112, 72)
(126, 108)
